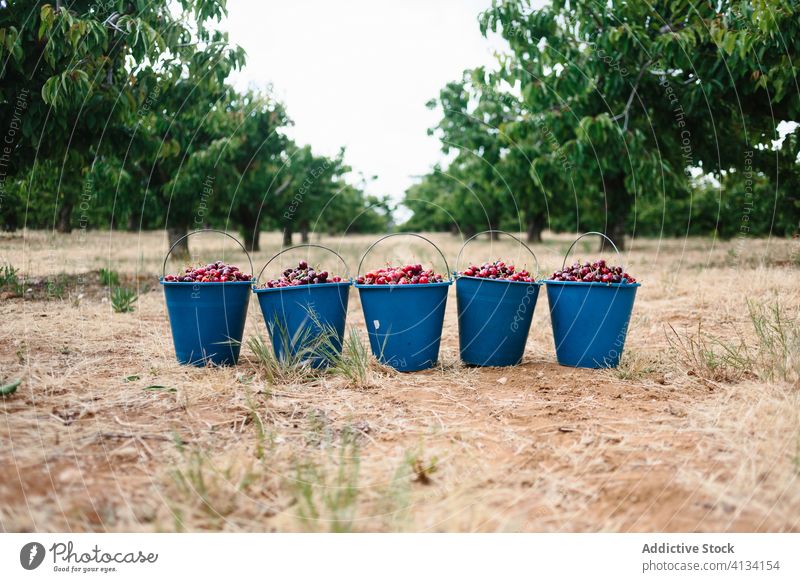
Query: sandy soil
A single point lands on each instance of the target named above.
(107, 432)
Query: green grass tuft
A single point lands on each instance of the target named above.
(123, 299)
(109, 278)
(355, 363)
(9, 279)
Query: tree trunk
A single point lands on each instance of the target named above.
(65, 217)
(131, 225)
(252, 238)
(618, 204)
(174, 233)
(616, 232)
(304, 234)
(494, 235)
(250, 223)
(287, 236)
(534, 230)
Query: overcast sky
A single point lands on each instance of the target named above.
(357, 73)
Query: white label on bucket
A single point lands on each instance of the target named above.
(376, 324)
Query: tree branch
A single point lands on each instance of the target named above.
(626, 112)
(111, 22)
(282, 187)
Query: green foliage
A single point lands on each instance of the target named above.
(109, 278)
(9, 279)
(123, 299)
(77, 75)
(9, 388)
(55, 288)
(599, 114)
(598, 117)
(120, 115)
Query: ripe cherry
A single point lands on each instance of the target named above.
(404, 275)
(217, 272)
(302, 275)
(595, 272)
(497, 270)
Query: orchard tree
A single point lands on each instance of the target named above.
(350, 210)
(75, 74)
(314, 183)
(582, 105)
(631, 92)
(180, 139)
(374, 214)
(430, 201)
(253, 161)
(471, 128)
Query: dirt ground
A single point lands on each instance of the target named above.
(698, 430)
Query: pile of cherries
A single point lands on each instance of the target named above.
(302, 274)
(217, 272)
(406, 275)
(498, 270)
(596, 272)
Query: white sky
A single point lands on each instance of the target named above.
(357, 73)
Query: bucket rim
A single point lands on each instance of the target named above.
(408, 286)
(209, 283)
(537, 283)
(593, 284)
(330, 285)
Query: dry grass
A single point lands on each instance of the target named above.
(108, 433)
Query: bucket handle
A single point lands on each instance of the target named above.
(569, 250)
(230, 236)
(427, 240)
(470, 239)
(330, 250)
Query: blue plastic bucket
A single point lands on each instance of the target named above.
(590, 321)
(494, 315)
(297, 318)
(207, 320)
(306, 322)
(404, 323)
(494, 318)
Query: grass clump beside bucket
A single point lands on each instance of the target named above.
(354, 363)
(293, 365)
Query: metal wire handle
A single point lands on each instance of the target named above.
(330, 250)
(470, 239)
(383, 238)
(164, 266)
(569, 250)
